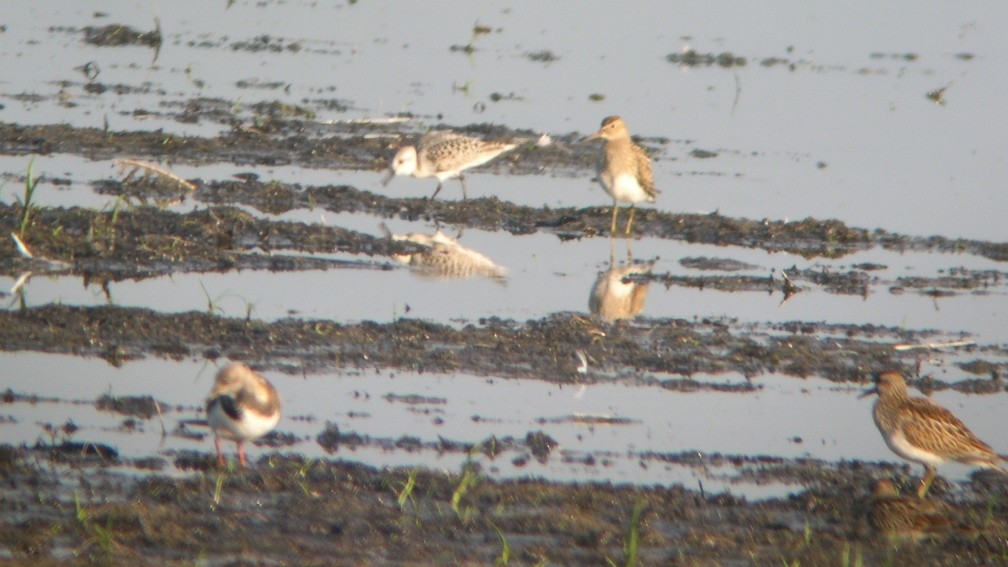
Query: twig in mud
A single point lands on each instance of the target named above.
(157, 406)
(933, 345)
(135, 165)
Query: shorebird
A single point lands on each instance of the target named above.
(444, 155)
(922, 431)
(625, 169)
(900, 517)
(241, 407)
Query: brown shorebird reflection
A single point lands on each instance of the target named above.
(617, 295)
(441, 256)
(905, 518)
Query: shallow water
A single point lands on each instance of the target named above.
(784, 417)
(843, 128)
(855, 98)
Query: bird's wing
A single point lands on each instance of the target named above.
(645, 175)
(227, 403)
(264, 405)
(934, 428)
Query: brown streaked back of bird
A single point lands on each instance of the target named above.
(645, 175)
(936, 429)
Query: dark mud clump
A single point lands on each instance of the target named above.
(117, 35)
(143, 407)
(540, 445)
(692, 58)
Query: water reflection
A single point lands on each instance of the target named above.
(443, 257)
(617, 294)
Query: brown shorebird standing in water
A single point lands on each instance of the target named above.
(625, 169)
(922, 431)
(241, 407)
(900, 517)
(444, 155)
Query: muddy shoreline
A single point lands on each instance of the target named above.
(75, 508)
(79, 502)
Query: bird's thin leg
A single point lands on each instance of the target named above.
(630, 222)
(241, 454)
(220, 454)
(462, 181)
(436, 191)
(929, 475)
(615, 213)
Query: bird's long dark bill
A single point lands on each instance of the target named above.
(868, 392)
(388, 177)
(590, 137)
